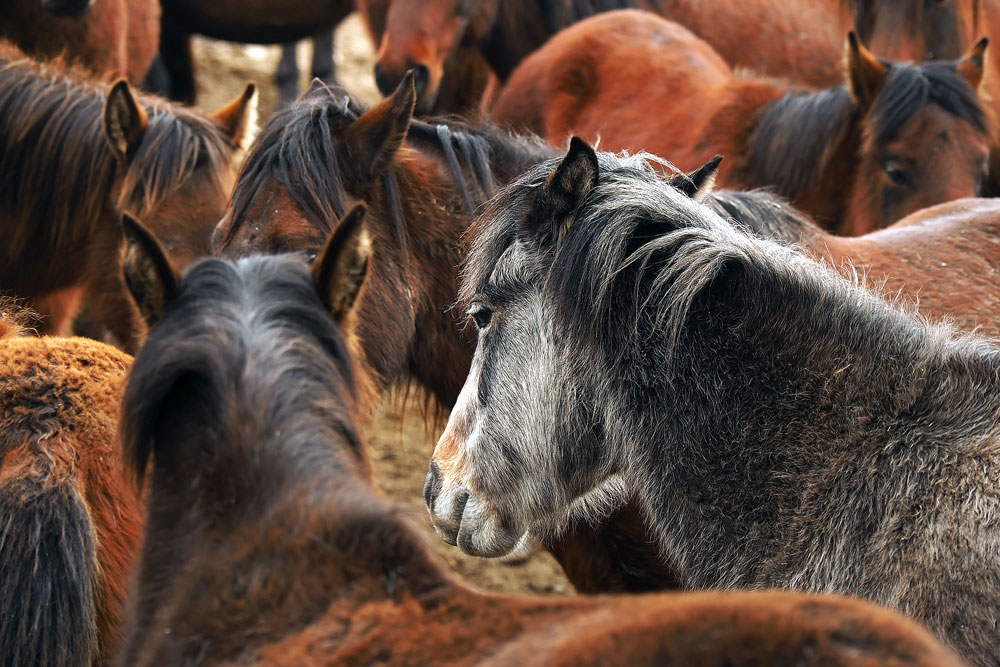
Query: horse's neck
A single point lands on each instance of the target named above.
(804, 148)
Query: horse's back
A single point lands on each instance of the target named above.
(607, 72)
(70, 527)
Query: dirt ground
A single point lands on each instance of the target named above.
(401, 442)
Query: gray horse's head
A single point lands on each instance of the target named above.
(527, 440)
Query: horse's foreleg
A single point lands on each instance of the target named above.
(287, 76)
(175, 50)
(323, 65)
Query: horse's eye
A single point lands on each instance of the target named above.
(894, 170)
(480, 314)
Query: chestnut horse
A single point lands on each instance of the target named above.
(896, 138)
(98, 152)
(266, 543)
(108, 37)
(71, 525)
(783, 427)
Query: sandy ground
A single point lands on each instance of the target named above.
(401, 442)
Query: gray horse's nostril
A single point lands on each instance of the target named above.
(432, 485)
(458, 509)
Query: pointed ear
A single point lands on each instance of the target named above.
(374, 138)
(149, 274)
(563, 192)
(970, 67)
(238, 119)
(698, 183)
(340, 269)
(125, 122)
(865, 73)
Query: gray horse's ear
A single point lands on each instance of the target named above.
(125, 121)
(340, 269)
(150, 276)
(564, 190)
(698, 183)
(374, 138)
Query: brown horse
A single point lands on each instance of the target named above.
(267, 544)
(894, 139)
(108, 37)
(101, 151)
(71, 525)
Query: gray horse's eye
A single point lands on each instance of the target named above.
(480, 314)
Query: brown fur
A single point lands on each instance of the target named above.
(60, 407)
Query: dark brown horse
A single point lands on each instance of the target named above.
(71, 526)
(267, 544)
(895, 138)
(108, 37)
(100, 152)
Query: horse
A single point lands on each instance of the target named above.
(893, 139)
(71, 525)
(431, 36)
(108, 37)
(102, 150)
(266, 543)
(781, 426)
(286, 77)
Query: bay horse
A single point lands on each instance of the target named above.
(894, 138)
(108, 37)
(266, 542)
(71, 525)
(782, 427)
(101, 150)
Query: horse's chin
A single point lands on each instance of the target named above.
(68, 8)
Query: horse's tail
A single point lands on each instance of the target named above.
(48, 562)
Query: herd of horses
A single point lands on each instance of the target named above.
(776, 405)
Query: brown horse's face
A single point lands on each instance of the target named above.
(936, 157)
(274, 224)
(908, 30)
(68, 8)
(423, 36)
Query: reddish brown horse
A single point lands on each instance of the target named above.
(71, 525)
(100, 152)
(108, 37)
(896, 138)
(267, 544)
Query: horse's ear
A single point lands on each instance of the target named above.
(150, 276)
(374, 138)
(340, 269)
(698, 183)
(125, 121)
(565, 189)
(238, 119)
(865, 73)
(970, 67)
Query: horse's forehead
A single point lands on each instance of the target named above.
(511, 268)
(934, 128)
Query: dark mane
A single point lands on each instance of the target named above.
(764, 214)
(52, 132)
(559, 14)
(818, 122)
(252, 342)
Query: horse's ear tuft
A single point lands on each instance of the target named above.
(340, 269)
(698, 183)
(374, 138)
(125, 121)
(238, 118)
(971, 65)
(865, 73)
(565, 189)
(149, 274)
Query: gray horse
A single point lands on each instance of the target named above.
(782, 427)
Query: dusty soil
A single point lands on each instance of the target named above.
(401, 441)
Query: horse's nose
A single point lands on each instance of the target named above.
(421, 77)
(432, 486)
(382, 81)
(68, 8)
